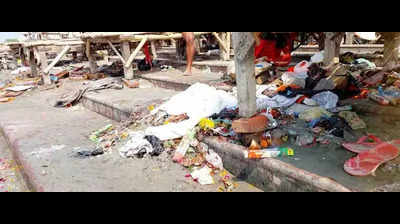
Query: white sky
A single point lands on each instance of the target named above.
(9, 35)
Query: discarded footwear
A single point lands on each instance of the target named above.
(367, 162)
(363, 144)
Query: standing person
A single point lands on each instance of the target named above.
(190, 51)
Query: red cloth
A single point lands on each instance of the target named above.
(280, 57)
(146, 52)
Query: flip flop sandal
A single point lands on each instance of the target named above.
(367, 162)
(362, 144)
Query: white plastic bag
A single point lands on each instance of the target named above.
(318, 57)
(301, 67)
(214, 159)
(327, 99)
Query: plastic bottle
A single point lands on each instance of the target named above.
(268, 153)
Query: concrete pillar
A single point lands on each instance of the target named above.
(332, 47)
(126, 52)
(391, 49)
(243, 44)
(92, 61)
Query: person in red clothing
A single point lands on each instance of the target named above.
(275, 47)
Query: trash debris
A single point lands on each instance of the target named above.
(97, 134)
(19, 88)
(353, 120)
(268, 153)
(158, 148)
(89, 153)
(72, 99)
(305, 139)
(327, 99)
(130, 83)
(314, 113)
(6, 99)
(137, 145)
(183, 146)
(318, 57)
(203, 176)
(198, 101)
(214, 159)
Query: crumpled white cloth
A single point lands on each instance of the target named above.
(136, 144)
(198, 101)
(278, 101)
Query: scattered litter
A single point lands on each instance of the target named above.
(353, 120)
(327, 99)
(19, 88)
(89, 153)
(97, 134)
(268, 153)
(137, 145)
(203, 176)
(314, 113)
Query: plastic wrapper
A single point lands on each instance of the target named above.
(327, 99)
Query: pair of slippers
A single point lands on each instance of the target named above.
(370, 155)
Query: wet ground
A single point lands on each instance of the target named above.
(327, 160)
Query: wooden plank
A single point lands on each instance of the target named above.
(32, 62)
(133, 55)
(221, 42)
(153, 49)
(57, 59)
(116, 52)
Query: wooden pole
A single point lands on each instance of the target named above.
(226, 38)
(116, 51)
(126, 50)
(153, 49)
(32, 63)
(92, 61)
(57, 59)
(220, 42)
(243, 44)
(133, 55)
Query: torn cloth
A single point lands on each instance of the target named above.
(277, 101)
(136, 146)
(94, 86)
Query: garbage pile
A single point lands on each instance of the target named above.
(17, 85)
(301, 108)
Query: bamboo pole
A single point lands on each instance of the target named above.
(133, 55)
(116, 51)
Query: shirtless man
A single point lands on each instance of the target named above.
(190, 51)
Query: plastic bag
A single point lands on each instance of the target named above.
(291, 78)
(203, 175)
(301, 67)
(327, 99)
(214, 159)
(318, 57)
(314, 113)
(156, 143)
(304, 139)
